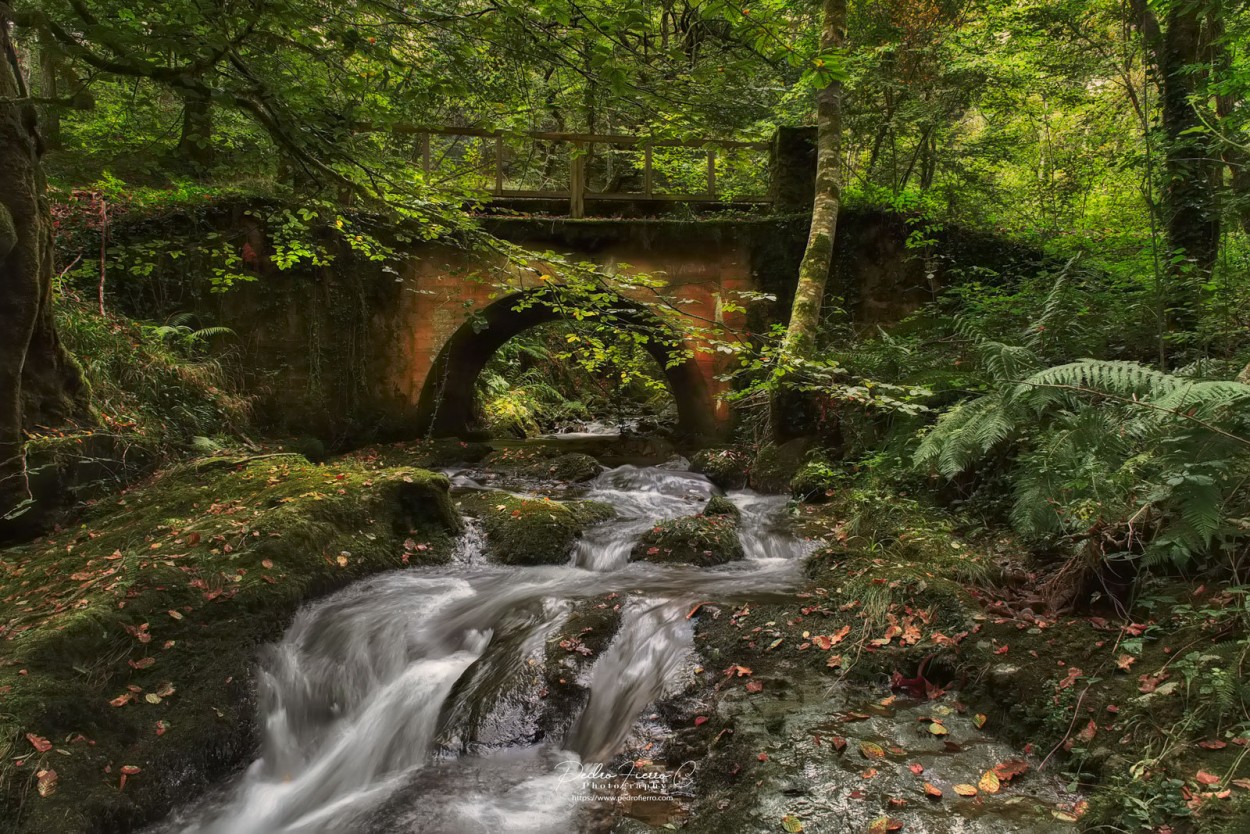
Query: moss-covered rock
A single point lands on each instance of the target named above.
(775, 466)
(720, 505)
(694, 540)
(540, 463)
(130, 639)
(532, 531)
(816, 481)
(429, 454)
(727, 467)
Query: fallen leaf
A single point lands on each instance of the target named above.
(879, 826)
(700, 720)
(932, 792)
(46, 784)
(1125, 661)
(979, 719)
(754, 686)
(1205, 778)
(1010, 769)
(39, 742)
(916, 768)
(763, 757)
(869, 750)
(989, 782)
(966, 790)
(839, 743)
(1213, 745)
(937, 729)
(791, 824)
(177, 615)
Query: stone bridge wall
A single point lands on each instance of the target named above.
(344, 354)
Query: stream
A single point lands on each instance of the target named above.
(414, 701)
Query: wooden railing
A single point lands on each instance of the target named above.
(581, 166)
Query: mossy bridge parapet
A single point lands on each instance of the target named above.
(357, 351)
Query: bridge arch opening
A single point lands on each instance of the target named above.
(446, 407)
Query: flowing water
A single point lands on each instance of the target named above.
(413, 701)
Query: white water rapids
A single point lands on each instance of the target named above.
(410, 702)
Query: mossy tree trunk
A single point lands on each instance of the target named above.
(39, 383)
(818, 257)
(800, 338)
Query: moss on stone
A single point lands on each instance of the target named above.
(694, 540)
(720, 505)
(130, 639)
(727, 467)
(775, 466)
(544, 464)
(532, 531)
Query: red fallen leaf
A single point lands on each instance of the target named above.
(651, 551)
(122, 700)
(1213, 745)
(895, 802)
(1205, 778)
(193, 539)
(39, 742)
(1010, 769)
(1149, 683)
(916, 768)
(1087, 735)
(1073, 674)
(142, 663)
(763, 757)
(1135, 629)
(822, 641)
(870, 773)
(742, 671)
(931, 791)
(1003, 649)
(700, 720)
(893, 825)
(161, 727)
(754, 686)
(839, 743)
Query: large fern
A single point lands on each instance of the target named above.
(1147, 459)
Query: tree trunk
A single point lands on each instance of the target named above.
(39, 383)
(818, 257)
(800, 339)
(49, 67)
(195, 145)
(1190, 193)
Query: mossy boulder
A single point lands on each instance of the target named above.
(816, 481)
(720, 505)
(532, 531)
(543, 464)
(726, 467)
(430, 454)
(694, 540)
(131, 639)
(775, 466)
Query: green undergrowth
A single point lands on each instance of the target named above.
(127, 642)
(1148, 714)
(532, 531)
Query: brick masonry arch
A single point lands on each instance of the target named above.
(446, 404)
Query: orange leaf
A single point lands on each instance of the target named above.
(989, 782)
(931, 791)
(39, 742)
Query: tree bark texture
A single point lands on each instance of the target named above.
(39, 383)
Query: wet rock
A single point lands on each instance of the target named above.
(532, 531)
(725, 467)
(719, 505)
(775, 466)
(694, 540)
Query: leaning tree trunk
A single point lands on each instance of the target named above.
(818, 257)
(800, 338)
(195, 145)
(39, 383)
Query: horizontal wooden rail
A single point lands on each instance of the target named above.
(578, 191)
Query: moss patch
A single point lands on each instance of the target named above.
(544, 464)
(775, 466)
(129, 641)
(532, 531)
(727, 468)
(694, 540)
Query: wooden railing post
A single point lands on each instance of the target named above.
(499, 164)
(577, 182)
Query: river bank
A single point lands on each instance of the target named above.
(848, 658)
